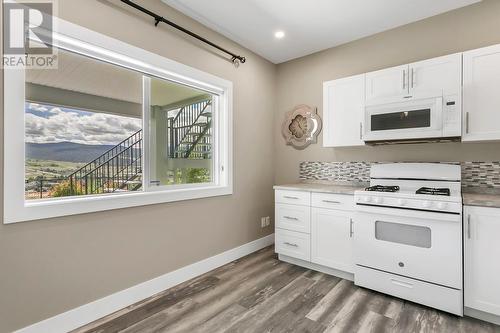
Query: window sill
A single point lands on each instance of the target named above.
(42, 209)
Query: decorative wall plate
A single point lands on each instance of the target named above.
(301, 126)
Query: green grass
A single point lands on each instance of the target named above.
(36, 169)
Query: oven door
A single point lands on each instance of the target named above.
(413, 119)
(416, 244)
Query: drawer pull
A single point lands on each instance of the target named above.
(291, 244)
(289, 197)
(332, 202)
(402, 284)
(290, 218)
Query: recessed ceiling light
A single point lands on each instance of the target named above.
(279, 34)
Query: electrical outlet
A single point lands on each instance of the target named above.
(262, 222)
(268, 221)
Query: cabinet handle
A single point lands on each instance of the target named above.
(361, 131)
(291, 244)
(468, 226)
(467, 122)
(351, 231)
(288, 197)
(290, 218)
(404, 79)
(413, 83)
(332, 202)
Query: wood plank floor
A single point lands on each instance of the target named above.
(258, 293)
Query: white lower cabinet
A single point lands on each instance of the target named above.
(482, 259)
(316, 228)
(293, 244)
(331, 238)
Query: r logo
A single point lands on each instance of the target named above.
(27, 28)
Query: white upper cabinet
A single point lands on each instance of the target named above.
(436, 77)
(343, 110)
(440, 76)
(481, 116)
(482, 266)
(387, 85)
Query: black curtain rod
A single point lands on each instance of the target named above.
(235, 58)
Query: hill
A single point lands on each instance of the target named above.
(65, 151)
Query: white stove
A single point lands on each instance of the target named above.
(408, 234)
(409, 178)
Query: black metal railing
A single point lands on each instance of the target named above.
(117, 169)
(190, 131)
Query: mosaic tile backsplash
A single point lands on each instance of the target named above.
(481, 174)
(474, 174)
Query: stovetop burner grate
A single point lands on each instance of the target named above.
(381, 188)
(433, 191)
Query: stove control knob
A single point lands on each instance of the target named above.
(401, 202)
(442, 205)
(367, 199)
(379, 200)
(426, 204)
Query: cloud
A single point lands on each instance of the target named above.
(37, 107)
(60, 124)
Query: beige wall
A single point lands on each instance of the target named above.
(300, 81)
(51, 266)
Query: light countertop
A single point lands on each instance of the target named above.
(481, 199)
(322, 188)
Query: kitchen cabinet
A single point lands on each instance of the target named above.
(293, 224)
(343, 110)
(481, 100)
(440, 76)
(387, 85)
(434, 77)
(482, 266)
(331, 238)
(316, 228)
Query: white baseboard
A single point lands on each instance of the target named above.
(90, 312)
(316, 267)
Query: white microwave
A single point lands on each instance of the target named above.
(414, 119)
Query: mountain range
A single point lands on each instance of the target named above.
(65, 151)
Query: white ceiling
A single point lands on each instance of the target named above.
(309, 25)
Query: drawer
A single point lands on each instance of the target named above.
(293, 244)
(442, 298)
(293, 197)
(333, 201)
(293, 217)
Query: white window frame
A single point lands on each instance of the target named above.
(77, 39)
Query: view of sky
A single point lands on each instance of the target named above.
(49, 124)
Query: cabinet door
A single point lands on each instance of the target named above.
(331, 239)
(343, 109)
(387, 85)
(436, 77)
(481, 98)
(482, 264)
